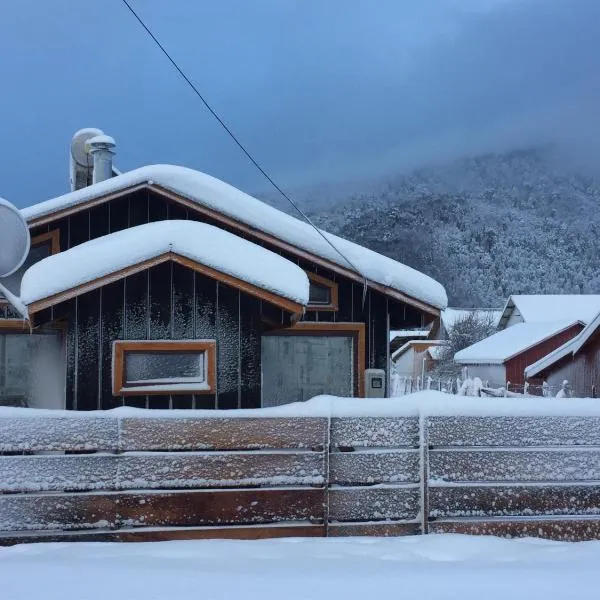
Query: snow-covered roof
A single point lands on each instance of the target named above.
(219, 196)
(450, 316)
(199, 242)
(408, 333)
(509, 342)
(538, 308)
(412, 343)
(570, 348)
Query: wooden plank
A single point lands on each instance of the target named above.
(182, 509)
(36, 537)
(57, 511)
(220, 469)
(514, 431)
(513, 500)
(373, 503)
(250, 532)
(378, 529)
(78, 431)
(356, 468)
(222, 433)
(561, 464)
(375, 432)
(58, 473)
(567, 530)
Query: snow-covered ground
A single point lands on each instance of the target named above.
(435, 567)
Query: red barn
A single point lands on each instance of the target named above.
(577, 361)
(503, 357)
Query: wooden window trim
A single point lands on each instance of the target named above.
(247, 229)
(53, 236)
(14, 326)
(333, 290)
(121, 347)
(357, 330)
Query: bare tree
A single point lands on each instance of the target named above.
(466, 331)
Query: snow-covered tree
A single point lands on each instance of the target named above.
(466, 330)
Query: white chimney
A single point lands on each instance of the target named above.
(100, 148)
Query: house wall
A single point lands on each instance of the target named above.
(582, 371)
(515, 367)
(145, 206)
(494, 375)
(405, 364)
(165, 302)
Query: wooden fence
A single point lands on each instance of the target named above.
(71, 476)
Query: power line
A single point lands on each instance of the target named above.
(237, 141)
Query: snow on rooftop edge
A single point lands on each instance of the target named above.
(427, 403)
(205, 244)
(228, 200)
(506, 343)
(547, 307)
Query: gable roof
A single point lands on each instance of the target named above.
(538, 308)
(411, 343)
(570, 348)
(202, 191)
(509, 342)
(199, 246)
(409, 333)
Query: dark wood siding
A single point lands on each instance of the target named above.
(515, 367)
(164, 302)
(173, 303)
(582, 371)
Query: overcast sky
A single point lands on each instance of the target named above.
(319, 90)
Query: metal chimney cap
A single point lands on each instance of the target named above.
(100, 142)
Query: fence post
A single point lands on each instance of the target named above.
(327, 481)
(424, 459)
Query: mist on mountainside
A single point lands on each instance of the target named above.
(519, 222)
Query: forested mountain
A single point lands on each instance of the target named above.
(485, 227)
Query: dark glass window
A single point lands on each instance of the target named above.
(319, 294)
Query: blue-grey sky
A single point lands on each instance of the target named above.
(319, 90)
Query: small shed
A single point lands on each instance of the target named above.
(416, 357)
(503, 357)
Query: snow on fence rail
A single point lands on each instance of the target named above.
(429, 462)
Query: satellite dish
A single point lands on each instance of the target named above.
(14, 238)
(80, 156)
(81, 162)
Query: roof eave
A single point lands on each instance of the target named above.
(291, 306)
(431, 309)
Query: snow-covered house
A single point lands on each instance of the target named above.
(399, 337)
(544, 308)
(416, 357)
(577, 361)
(164, 287)
(503, 357)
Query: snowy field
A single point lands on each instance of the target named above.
(435, 567)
